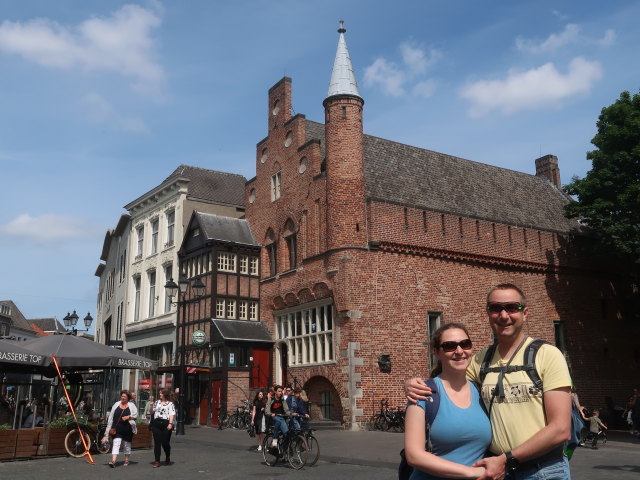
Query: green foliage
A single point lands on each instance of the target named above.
(609, 195)
(70, 422)
(6, 426)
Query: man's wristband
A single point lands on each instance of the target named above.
(512, 463)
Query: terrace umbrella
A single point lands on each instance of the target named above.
(78, 352)
(14, 354)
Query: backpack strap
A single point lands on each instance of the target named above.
(530, 362)
(486, 361)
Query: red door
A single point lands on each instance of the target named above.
(260, 371)
(216, 400)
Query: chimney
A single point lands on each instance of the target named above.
(547, 167)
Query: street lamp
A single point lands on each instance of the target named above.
(71, 320)
(172, 289)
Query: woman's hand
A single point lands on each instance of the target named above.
(170, 426)
(415, 389)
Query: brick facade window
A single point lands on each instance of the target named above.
(275, 186)
(272, 250)
(243, 260)
(242, 310)
(308, 333)
(226, 262)
(292, 245)
(434, 321)
(253, 266)
(220, 308)
(231, 309)
(253, 311)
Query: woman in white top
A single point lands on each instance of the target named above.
(162, 414)
(122, 412)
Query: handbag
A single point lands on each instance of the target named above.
(112, 431)
(251, 431)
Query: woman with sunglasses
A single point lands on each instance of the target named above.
(461, 432)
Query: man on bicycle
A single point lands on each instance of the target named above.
(296, 407)
(277, 406)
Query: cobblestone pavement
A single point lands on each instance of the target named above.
(209, 453)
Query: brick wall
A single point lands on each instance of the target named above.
(419, 261)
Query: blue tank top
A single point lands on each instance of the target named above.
(461, 435)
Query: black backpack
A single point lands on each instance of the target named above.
(529, 367)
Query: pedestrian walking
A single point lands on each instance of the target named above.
(119, 426)
(163, 413)
(258, 418)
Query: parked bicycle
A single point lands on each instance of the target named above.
(388, 418)
(292, 447)
(239, 419)
(73, 443)
(313, 447)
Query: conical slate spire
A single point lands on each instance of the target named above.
(343, 78)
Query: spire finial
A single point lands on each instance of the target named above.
(342, 29)
(343, 79)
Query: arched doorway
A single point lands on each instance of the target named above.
(324, 399)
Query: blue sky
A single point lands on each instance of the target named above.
(100, 101)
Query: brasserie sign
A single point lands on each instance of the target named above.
(21, 357)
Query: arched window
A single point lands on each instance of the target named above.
(292, 244)
(272, 253)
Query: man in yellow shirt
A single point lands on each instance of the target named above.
(529, 426)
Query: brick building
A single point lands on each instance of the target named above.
(369, 245)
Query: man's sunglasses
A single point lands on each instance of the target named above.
(452, 346)
(507, 307)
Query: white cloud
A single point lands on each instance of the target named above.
(569, 35)
(608, 39)
(396, 79)
(120, 43)
(425, 89)
(534, 89)
(102, 112)
(50, 228)
(387, 75)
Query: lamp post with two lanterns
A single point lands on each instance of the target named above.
(180, 289)
(71, 320)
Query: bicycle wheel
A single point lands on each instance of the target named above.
(102, 447)
(269, 453)
(241, 421)
(73, 443)
(297, 452)
(379, 422)
(223, 420)
(313, 449)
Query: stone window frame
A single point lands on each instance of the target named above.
(308, 331)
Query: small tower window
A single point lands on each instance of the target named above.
(344, 112)
(302, 166)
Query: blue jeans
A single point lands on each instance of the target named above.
(557, 469)
(279, 425)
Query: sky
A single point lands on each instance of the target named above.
(100, 101)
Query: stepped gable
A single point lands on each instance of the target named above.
(225, 229)
(424, 179)
(211, 185)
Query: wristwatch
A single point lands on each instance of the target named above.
(512, 462)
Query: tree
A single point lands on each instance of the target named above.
(609, 195)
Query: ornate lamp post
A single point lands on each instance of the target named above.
(172, 290)
(71, 320)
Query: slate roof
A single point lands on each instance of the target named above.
(47, 324)
(242, 330)
(17, 318)
(204, 184)
(424, 179)
(208, 184)
(225, 229)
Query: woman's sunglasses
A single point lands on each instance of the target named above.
(452, 346)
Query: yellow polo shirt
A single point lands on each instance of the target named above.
(520, 415)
